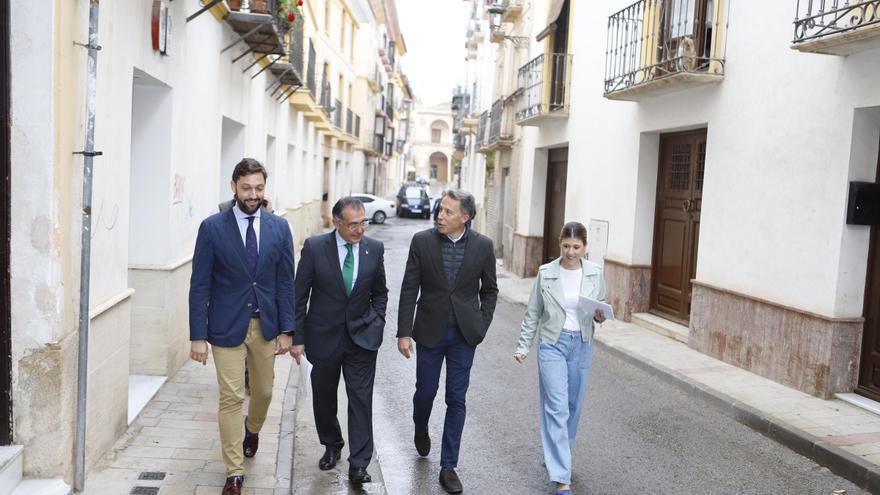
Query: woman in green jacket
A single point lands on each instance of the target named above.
(565, 348)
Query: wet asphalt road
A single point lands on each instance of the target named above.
(638, 435)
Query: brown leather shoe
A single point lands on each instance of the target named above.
(449, 481)
(251, 442)
(233, 485)
(423, 443)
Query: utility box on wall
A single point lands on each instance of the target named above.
(863, 205)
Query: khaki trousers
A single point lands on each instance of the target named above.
(230, 364)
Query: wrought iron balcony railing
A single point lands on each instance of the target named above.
(349, 121)
(654, 39)
(459, 142)
(326, 99)
(500, 124)
(357, 125)
(543, 88)
(482, 127)
(310, 71)
(337, 114)
(379, 143)
(819, 18)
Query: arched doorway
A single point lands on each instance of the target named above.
(438, 164)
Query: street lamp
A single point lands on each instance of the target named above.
(496, 12)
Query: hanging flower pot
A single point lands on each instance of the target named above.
(234, 5)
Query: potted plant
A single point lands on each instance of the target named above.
(259, 6)
(234, 5)
(287, 13)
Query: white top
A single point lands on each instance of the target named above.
(571, 288)
(343, 252)
(242, 219)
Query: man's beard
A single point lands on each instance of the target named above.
(243, 206)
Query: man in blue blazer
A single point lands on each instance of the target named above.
(241, 302)
(341, 275)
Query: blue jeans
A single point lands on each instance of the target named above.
(459, 356)
(563, 370)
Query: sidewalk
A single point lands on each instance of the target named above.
(173, 447)
(836, 434)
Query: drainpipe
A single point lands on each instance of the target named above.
(89, 154)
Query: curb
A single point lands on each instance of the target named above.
(864, 474)
(287, 434)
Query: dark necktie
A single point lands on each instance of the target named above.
(250, 244)
(348, 269)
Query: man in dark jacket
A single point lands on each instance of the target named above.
(341, 275)
(453, 268)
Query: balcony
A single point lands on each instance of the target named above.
(375, 80)
(500, 126)
(337, 114)
(357, 126)
(538, 102)
(836, 27)
(258, 27)
(657, 47)
(378, 144)
(512, 10)
(289, 70)
(349, 121)
(480, 138)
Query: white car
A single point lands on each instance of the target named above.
(378, 209)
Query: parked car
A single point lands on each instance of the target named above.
(377, 209)
(413, 199)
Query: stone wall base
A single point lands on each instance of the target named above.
(627, 288)
(812, 353)
(526, 256)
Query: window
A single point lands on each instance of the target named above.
(365, 199)
(433, 171)
(435, 135)
(414, 192)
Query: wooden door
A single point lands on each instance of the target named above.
(554, 204)
(869, 366)
(677, 223)
(5, 320)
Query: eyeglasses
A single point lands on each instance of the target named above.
(352, 227)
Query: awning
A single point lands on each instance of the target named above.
(555, 10)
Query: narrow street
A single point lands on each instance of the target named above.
(638, 434)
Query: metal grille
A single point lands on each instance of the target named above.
(500, 125)
(145, 490)
(297, 46)
(680, 172)
(531, 82)
(310, 71)
(701, 165)
(357, 125)
(652, 39)
(337, 114)
(152, 476)
(818, 18)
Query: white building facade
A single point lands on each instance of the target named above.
(711, 155)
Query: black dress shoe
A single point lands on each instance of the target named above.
(423, 443)
(251, 442)
(449, 481)
(358, 475)
(330, 457)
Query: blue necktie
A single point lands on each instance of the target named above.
(250, 244)
(253, 255)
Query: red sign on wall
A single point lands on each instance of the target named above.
(161, 27)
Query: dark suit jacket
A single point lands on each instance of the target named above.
(221, 282)
(473, 297)
(330, 310)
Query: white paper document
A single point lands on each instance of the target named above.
(591, 305)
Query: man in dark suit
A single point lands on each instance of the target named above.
(241, 302)
(341, 275)
(453, 267)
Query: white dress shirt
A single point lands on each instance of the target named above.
(242, 219)
(343, 252)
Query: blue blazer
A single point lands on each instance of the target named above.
(221, 282)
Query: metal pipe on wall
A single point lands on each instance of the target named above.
(89, 156)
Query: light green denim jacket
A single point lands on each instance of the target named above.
(545, 314)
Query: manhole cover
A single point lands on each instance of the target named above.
(145, 490)
(152, 476)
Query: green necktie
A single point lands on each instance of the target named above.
(348, 269)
